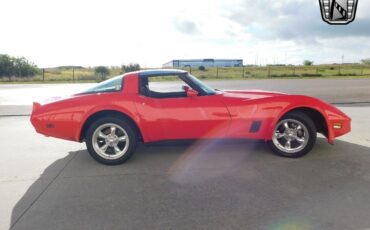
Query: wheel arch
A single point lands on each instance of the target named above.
(316, 116)
(108, 113)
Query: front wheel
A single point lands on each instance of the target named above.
(111, 141)
(294, 135)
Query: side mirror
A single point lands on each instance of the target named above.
(191, 93)
(185, 88)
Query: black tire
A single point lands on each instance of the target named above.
(311, 129)
(124, 125)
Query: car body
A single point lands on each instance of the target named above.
(194, 112)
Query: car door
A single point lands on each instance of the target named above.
(174, 115)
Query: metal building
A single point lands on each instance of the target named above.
(204, 62)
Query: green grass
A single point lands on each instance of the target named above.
(65, 75)
(285, 72)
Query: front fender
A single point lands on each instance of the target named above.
(293, 102)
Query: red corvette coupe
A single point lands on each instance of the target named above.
(114, 115)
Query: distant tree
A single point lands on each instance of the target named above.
(366, 61)
(307, 62)
(18, 67)
(6, 66)
(202, 68)
(102, 71)
(23, 68)
(130, 68)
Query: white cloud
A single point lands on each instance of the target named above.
(53, 33)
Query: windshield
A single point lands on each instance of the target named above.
(112, 85)
(202, 85)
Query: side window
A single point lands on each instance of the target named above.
(112, 85)
(166, 84)
(163, 87)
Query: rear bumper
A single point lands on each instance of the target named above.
(35, 120)
(54, 124)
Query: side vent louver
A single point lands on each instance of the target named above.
(255, 127)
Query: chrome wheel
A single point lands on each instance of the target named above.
(110, 141)
(290, 136)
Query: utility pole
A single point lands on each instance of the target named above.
(286, 59)
(255, 60)
(340, 65)
(339, 72)
(73, 73)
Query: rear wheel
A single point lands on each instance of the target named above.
(111, 141)
(294, 135)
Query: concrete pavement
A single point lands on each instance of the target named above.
(47, 183)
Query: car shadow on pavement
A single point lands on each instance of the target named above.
(212, 184)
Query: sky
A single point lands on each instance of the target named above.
(112, 33)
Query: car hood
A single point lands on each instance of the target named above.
(250, 94)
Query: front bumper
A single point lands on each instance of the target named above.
(339, 127)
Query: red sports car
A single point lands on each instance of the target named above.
(116, 114)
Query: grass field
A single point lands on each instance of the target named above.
(62, 75)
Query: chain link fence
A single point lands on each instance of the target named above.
(80, 74)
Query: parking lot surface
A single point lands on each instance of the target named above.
(47, 183)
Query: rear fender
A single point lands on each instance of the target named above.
(98, 109)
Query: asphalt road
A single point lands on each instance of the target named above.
(47, 183)
(17, 99)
